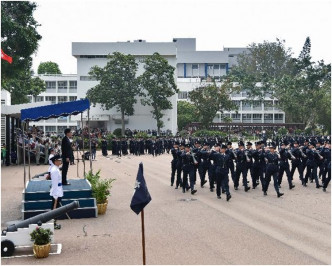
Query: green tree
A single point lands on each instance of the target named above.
(19, 39)
(210, 99)
(302, 91)
(48, 67)
(118, 85)
(260, 66)
(187, 113)
(158, 86)
(297, 83)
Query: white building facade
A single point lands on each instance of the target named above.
(59, 89)
(92, 54)
(192, 69)
(195, 68)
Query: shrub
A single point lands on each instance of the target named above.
(117, 132)
(41, 236)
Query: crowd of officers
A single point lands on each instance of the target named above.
(310, 157)
(141, 146)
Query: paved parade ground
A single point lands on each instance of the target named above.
(249, 229)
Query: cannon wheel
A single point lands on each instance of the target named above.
(7, 248)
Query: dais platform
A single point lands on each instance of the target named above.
(36, 198)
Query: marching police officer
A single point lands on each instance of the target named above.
(272, 169)
(241, 167)
(188, 167)
(284, 165)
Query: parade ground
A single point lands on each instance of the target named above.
(180, 228)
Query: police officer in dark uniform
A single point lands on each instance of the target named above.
(272, 170)
(327, 165)
(179, 168)
(188, 167)
(284, 165)
(232, 156)
(312, 158)
(104, 147)
(174, 162)
(256, 167)
(221, 161)
(297, 163)
(196, 153)
(249, 152)
(241, 167)
(203, 167)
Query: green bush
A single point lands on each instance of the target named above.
(282, 131)
(117, 132)
(41, 236)
(100, 187)
(141, 135)
(209, 133)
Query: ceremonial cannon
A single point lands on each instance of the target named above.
(19, 234)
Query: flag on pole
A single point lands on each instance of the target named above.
(141, 196)
(6, 57)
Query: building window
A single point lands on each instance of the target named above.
(39, 99)
(72, 86)
(61, 129)
(50, 85)
(30, 99)
(183, 95)
(210, 66)
(87, 78)
(246, 116)
(62, 84)
(222, 66)
(72, 98)
(278, 116)
(268, 116)
(62, 99)
(51, 99)
(195, 66)
(257, 116)
(62, 119)
(257, 105)
(236, 116)
(50, 129)
(216, 67)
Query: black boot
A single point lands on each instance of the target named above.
(280, 194)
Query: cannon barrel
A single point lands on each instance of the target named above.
(44, 217)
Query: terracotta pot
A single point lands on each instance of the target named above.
(102, 207)
(41, 251)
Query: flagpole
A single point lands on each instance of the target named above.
(143, 236)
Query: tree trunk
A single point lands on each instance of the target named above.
(122, 123)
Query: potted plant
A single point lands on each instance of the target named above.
(100, 190)
(42, 242)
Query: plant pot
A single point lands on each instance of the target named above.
(102, 207)
(41, 251)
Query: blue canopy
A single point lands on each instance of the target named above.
(54, 110)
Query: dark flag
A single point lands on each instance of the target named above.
(141, 196)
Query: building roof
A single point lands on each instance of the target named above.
(134, 48)
(202, 57)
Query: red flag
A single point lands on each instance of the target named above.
(6, 57)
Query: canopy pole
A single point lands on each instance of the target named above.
(82, 136)
(143, 237)
(90, 157)
(23, 146)
(29, 153)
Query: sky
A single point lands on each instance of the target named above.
(215, 24)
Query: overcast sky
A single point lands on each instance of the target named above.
(214, 24)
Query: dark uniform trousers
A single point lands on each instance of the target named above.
(297, 164)
(284, 167)
(173, 165)
(271, 170)
(222, 180)
(65, 166)
(327, 172)
(202, 169)
(241, 168)
(231, 168)
(256, 173)
(311, 172)
(188, 169)
(178, 173)
(212, 175)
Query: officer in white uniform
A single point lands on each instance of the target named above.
(56, 190)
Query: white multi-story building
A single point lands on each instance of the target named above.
(195, 68)
(5, 100)
(192, 69)
(91, 54)
(59, 88)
